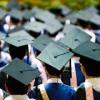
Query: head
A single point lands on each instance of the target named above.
(15, 87)
(90, 67)
(52, 71)
(14, 21)
(19, 52)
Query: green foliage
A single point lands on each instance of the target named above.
(74, 4)
(80, 4)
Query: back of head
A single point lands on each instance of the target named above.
(52, 71)
(15, 87)
(92, 67)
(18, 51)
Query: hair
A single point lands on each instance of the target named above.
(53, 71)
(92, 67)
(15, 87)
(14, 21)
(18, 51)
(83, 24)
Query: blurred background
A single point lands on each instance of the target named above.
(47, 4)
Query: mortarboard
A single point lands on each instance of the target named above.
(89, 49)
(13, 4)
(64, 10)
(16, 14)
(19, 38)
(41, 15)
(84, 15)
(95, 20)
(91, 9)
(74, 36)
(21, 71)
(17, 28)
(35, 10)
(36, 27)
(53, 26)
(27, 14)
(55, 56)
(2, 13)
(72, 17)
(41, 42)
(2, 35)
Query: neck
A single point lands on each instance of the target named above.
(51, 76)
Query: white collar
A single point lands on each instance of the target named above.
(54, 80)
(95, 82)
(17, 97)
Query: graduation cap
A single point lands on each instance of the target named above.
(2, 36)
(55, 56)
(19, 38)
(17, 28)
(2, 13)
(72, 17)
(35, 27)
(27, 14)
(89, 50)
(13, 4)
(84, 15)
(91, 9)
(21, 71)
(35, 10)
(41, 15)
(74, 36)
(41, 42)
(64, 10)
(16, 14)
(95, 20)
(53, 27)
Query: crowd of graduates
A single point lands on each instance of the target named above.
(49, 54)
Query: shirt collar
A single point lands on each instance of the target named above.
(54, 80)
(95, 82)
(19, 97)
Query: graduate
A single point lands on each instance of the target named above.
(19, 78)
(54, 61)
(74, 36)
(90, 61)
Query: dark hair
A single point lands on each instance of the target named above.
(15, 87)
(92, 67)
(14, 20)
(53, 71)
(18, 51)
